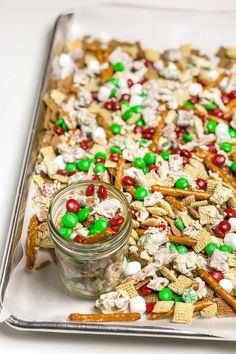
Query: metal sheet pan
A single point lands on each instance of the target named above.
(59, 36)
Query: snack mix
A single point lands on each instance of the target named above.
(161, 128)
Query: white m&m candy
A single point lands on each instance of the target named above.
(132, 268)
(137, 304)
(226, 284)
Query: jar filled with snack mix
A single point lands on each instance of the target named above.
(90, 224)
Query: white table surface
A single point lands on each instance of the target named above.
(24, 29)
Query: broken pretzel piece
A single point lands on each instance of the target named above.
(102, 122)
(104, 317)
(154, 145)
(175, 203)
(119, 173)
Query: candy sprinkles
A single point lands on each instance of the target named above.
(160, 128)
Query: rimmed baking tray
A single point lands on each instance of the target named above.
(155, 27)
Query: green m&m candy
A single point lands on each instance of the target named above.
(70, 167)
(100, 154)
(69, 220)
(65, 232)
(232, 133)
(140, 193)
(227, 147)
(211, 106)
(93, 232)
(178, 299)
(101, 224)
(137, 109)
(119, 66)
(172, 247)
(59, 122)
(127, 114)
(84, 164)
(233, 166)
(181, 249)
(150, 158)
(226, 248)
(188, 104)
(83, 214)
(179, 224)
(139, 162)
(116, 150)
(211, 126)
(113, 92)
(210, 248)
(140, 121)
(99, 168)
(165, 294)
(165, 155)
(115, 129)
(187, 138)
(114, 81)
(145, 170)
(182, 183)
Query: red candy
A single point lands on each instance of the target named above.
(72, 206)
(144, 290)
(133, 214)
(212, 148)
(161, 226)
(218, 232)
(217, 112)
(117, 220)
(100, 160)
(216, 275)
(130, 82)
(62, 172)
(138, 129)
(231, 213)
(186, 153)
(125, 97)
(153, 168)
(114, 157)
(225, 98)
(94, 95)
(102, 192)
(232, 94)
(194, 100)
(201, 183)
(71, 173)
(224, 226)
(129, 181)
(86, 144)
(176, 151)
(115, 106)
(114, 229)
(147, 136)
(79, 239)
(108, 105)
(90, 190)
(185, 160)
(150, 306)
(218, 160)
(95, 177)
(58, 130)
(150, 130)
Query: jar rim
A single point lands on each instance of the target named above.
(103, 245)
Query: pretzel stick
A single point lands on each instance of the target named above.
(177, 192)
(175, 204)
(104, 317)
(198, 306)
(223, 174)
(154, 145)
(119, 173)
(181, 240)
(216, 82)
(230, 106)
(233, 156)
(112, 171)
(31, 252)
(218, 120)
(101, 121)
(217, 288)
(101, 236)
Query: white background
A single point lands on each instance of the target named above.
(24, 30)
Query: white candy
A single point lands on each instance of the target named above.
(135, 100)
(104, 37)
(195, 89)
(98, 134)
(230, 240)
(137, 304)
(94, 66)
(104, 93)
(123, 83)
(136, 89)
(232, 222)
(65, 60)
(59, 161)
(132, 268)
(226, 284)
(222, 133)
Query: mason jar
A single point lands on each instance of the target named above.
(89, 270)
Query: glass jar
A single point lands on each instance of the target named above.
(89, 270)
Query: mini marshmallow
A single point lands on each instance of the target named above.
(195, 89)
(94, 66)
(232, 222)
(132, 268)
(226, 284)
(137, 304)
(104, 93)
(230, 240)
(59, 161)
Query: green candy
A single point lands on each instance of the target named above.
(84, 164)
(70, 220)
(64, 127)
(226, 248)
(141, 122)
(165, 155)
(210, 106)
(150, 158)
(116, 150)
(140, 193)
(143, 94)
(70, 166)
(211, 126)
(210, 248)
(232, 133)
(178, 299)
(99, 168)
(188, 104)
(101, 224)
(179, 224)
(145, 170)
(172, 247)
(114, 81)
(227, 147)
(59, 122)
(181, 249)
(124, 103)
(113, 92)
(189, 296)
(65, 232)
(143, 142)
(182, 183)
(165, 294)
(93, 232)
(119, 66)
(139, 162)
(100, 154)
(233, 166)
(83, 214)
(137, 109)
(115, 129)
(187, 138)
(127, 114)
